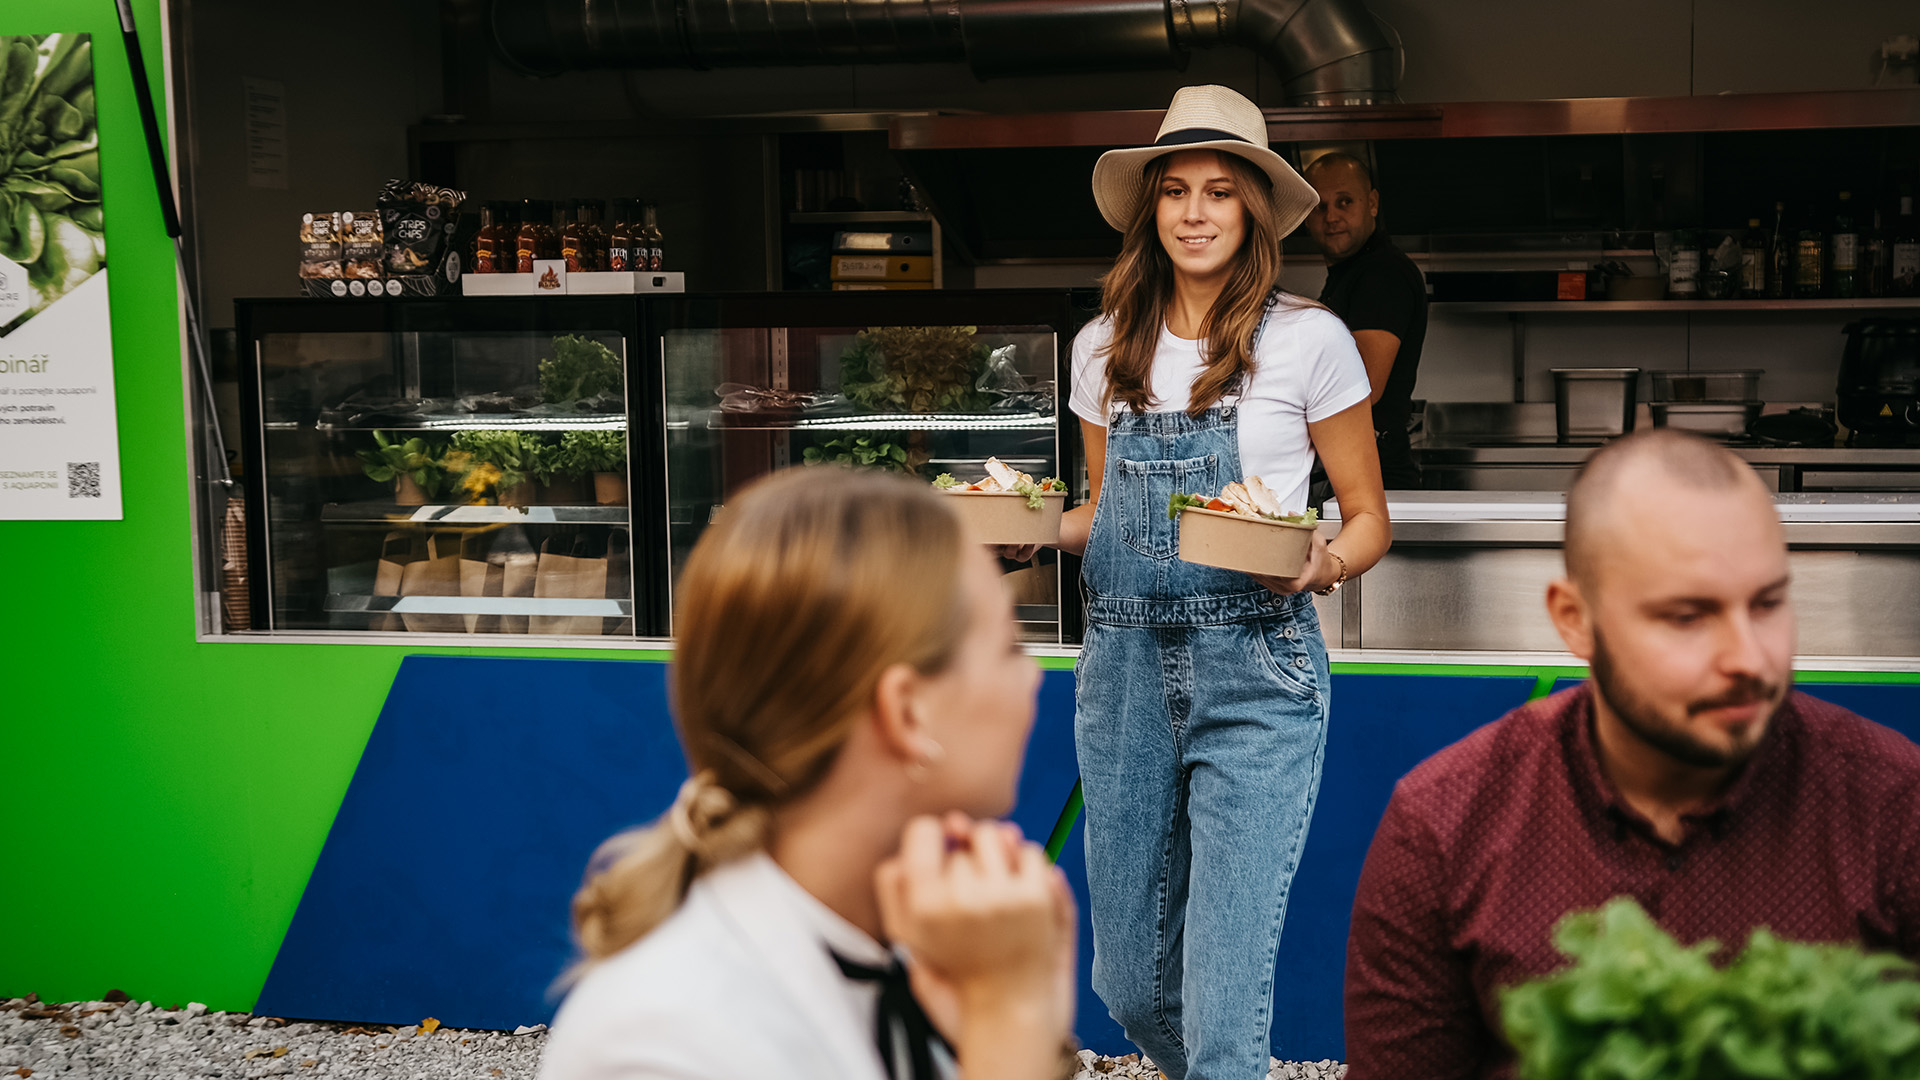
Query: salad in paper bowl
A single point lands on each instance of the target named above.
(1244, 528)
(1008, 506)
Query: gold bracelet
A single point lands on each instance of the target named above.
(1338, 581)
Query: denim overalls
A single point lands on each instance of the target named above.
(1200, 723)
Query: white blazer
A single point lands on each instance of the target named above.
(736, 985)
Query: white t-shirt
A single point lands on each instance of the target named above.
(1306, 369)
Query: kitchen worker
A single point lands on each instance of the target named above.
(840, 743)
(1686, 773)
(1202, 694)
(1381, 296)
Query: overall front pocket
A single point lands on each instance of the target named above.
(1145, 487)
(1284, 645)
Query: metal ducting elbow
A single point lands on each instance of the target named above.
(1331, 50)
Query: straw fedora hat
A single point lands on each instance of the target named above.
(1203, 118)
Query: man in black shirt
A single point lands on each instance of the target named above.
(1381, 295)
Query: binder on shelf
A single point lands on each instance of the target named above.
(882, 268)
(879, 286)
(898, 243)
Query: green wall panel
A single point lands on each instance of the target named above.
(166, 800)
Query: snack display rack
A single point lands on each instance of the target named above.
(420, 466)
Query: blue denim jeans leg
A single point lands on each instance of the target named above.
(1202, 703)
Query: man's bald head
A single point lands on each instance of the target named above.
(1340, 159)
(1602, 496)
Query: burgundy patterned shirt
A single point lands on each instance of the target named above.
(1489, 842)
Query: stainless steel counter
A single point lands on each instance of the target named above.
(1545, 465)
(1468, 572)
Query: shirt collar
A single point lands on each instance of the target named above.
(839, 935)
(1584, 765)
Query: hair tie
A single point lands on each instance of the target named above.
(680, 814)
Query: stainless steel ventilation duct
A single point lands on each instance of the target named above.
(1332, 51)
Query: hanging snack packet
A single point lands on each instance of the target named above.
(361, 247)
(320, 245)
(417, 220)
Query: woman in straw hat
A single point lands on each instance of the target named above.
(1203, 693)
(840, 743)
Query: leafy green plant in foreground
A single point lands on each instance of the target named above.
(861, 451)
(1636, 1005)
(583, 453)
(578, 368)
(50, 215)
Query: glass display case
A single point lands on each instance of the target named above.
(922, 383)
(448, 467)
(543, 466)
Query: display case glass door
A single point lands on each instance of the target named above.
(428, 469)
(870, 383)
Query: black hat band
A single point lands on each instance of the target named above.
(1195, 135)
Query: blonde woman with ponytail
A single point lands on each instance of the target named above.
(829, 896)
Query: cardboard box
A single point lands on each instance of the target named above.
(1250, 545)
(574, 567)
(881, 268)
(1003, 517)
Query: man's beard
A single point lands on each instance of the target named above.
(1643, 719)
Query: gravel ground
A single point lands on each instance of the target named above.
(115, 1040)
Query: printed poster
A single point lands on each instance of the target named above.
(59, 443)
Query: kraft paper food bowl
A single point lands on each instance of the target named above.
(1238, 542)
(1000, 517)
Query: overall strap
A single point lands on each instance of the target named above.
(1232, 395)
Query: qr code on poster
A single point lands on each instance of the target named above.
(83, 479)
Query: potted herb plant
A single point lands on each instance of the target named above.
(1635, 1003)
(602, 455)
(413, 468)
(496, 465)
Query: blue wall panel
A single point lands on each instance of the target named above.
(1383, 725)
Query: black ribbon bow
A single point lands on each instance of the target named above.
(898, 1012)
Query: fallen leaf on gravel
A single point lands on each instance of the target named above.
(115, 995)
(23, 1071)
(38, 1014)
(357, 1030)
(70, 1031)
(496, 1072)
(429, 1026)
(251, 1054)
(309, 1063)
(279, 1051)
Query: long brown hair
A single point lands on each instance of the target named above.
(1139, 288)
(811, 584)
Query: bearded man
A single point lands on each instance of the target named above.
(1686, 773)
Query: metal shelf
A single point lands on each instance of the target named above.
(480, 605)
(884, 422)
(1569, 307)
(490, 422)
(379, 513)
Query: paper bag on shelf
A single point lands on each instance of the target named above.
(396, 551)
(575, 567)
(434, 571)
(619, 578)
(497, 562)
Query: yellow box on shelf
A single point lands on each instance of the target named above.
(882, 268)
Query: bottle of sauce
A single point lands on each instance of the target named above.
(582, 243)
(495, 247)
(1753, 262)
(1810, 262)
(620, 237)
(1874, 259)
(1843, 251)
(529, 241)
(648, 236)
